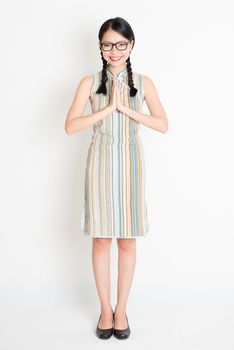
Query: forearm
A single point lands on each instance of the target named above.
(154, 122)
(79, 123)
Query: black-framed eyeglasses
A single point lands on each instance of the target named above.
(120, 45)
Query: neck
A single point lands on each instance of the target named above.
(116, 70)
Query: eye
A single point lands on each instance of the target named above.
(122, 45)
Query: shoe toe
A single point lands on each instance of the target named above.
(103, 333)
(122, 333)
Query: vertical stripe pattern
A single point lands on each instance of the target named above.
(114, 203)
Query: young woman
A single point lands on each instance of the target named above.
(114, 194)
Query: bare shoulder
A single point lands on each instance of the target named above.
(150, 90)
(85, 85)
(87, 80)
(148, 84)
(146, 78)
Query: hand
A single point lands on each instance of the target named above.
(119, 103)
(113, 100)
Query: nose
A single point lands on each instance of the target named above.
(114, 49)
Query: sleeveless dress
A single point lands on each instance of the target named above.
(114, 204)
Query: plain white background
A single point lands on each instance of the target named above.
(183, 287)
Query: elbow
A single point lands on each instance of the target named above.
(165, 126)
(67, 129)
(165, 129)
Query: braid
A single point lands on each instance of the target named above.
(102, 86)
(133, 90)
(104, 78)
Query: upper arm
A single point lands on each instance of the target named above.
(152, 98)
(81, 98)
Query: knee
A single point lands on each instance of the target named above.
(126, 244)
(102, 243)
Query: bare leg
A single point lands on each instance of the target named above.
(101, 268)
(126, 268)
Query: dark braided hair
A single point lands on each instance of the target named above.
(121, 26)
(133, 90)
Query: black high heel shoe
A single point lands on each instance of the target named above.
(103, 333)
(121, 333)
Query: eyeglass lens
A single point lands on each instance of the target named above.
(120, 46)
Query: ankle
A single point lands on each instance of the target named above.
(106, 309)
(120, 309)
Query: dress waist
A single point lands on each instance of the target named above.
(106, 139)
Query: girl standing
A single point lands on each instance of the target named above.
(114, 194)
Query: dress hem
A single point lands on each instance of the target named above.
(87, 234)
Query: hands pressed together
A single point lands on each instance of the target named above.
(115, 98)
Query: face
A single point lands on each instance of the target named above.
(115, 57)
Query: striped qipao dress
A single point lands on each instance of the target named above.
(114, 204)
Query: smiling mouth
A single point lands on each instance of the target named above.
(115, 58)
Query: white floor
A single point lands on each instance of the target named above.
(166, 320)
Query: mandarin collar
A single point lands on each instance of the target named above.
(119, 75)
